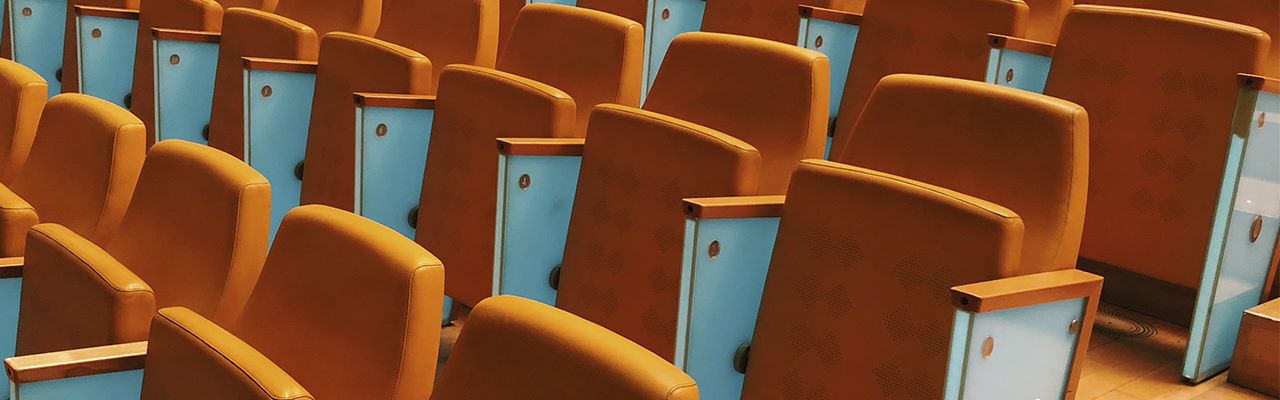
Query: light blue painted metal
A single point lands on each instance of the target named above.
(389, 167)
(184, 91)
(560, 2)
(276, 133)
(1019, 70)
(38, 37)
(123, 385)
(10, 299)
(1031, 356)
(720, 298)
(106, 62)
(667, 19)
(532, 223)
(1236, 267)
(836, 41)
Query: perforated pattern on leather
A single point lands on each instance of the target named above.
(1161, 92)
(622, 259)
(889, 247)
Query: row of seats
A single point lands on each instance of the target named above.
(707, 128)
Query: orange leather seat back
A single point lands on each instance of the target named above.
(189, 357)
(196, 230)
(446, 31)
(84, 163)
(1045, 18)
(23, 95)
(777, 20)
(70, 53)
(354, 16)
(1260, 14)
(348, 307)
(716, 80)
(841, 259)
(944, 38)
(622, 256)
(1161, 92)
(541, 352)
(195, 15)
(1025, 151)
(635, 10)
(593, 56)
(351, 63)
(476, 106)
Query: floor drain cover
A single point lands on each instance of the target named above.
(1118, 324)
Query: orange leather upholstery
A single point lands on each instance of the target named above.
(635, 10)
(195, 235)
(447, 31)
(70, 54)
(1161, 93)
(944, 38)
(597, 59)
(190, 357)
(512, 348)
(293, 33)
(1026, 151)
(195, 15)
(1045, 18)
(1260, 14)
(23, 94)
(841, 265)
(713, 79)
(622, 257)
(777, 20)
(82, 168)
(350, 308)
(351, 63)
(593, 56)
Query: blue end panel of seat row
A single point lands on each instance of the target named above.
(1019, 353)
(107, 47)
(184, 73)
(667, 19)
(391, 155)
(38, 28)
(535, 200)
(277, 119)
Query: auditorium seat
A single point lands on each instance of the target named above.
(560, 62)
(83, 164)
(195, 235)
(884, 287)
(345, 309)
(23, 95)
(514, 348)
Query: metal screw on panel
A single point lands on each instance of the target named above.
(666, 14)
(1074, 328)
(713, 250)
(26, 11)
(818, 42)
(988, 346)
(96, 33)
(266, 91)
(1008, 76)
(524, 182)
(381, 130)
(174, 59)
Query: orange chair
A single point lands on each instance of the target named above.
(543, 87)
(23, 95)
(195, 235)
(543, 354)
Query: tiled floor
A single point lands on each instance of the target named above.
(1137, 357)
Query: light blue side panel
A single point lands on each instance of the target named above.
(560, 2)
(1031, 355)
(1236, 266)
(667, 19)
(10, 299)
(106, 62)
(124, 385)
(38, 37)
(720, 298)
(1018, 70)
(532, 223)
(389, 167)
(276, 133)
(836, 41)
(184, 91)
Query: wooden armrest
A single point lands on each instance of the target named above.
(106, 12)
(1263, 83)
(1026, 290)
(387, 100)
(78, 362)
(827, 14)
(11, 267)
(541, 146)
(734, 207)
(279, 65)
(183, 35)
(1019, 44)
